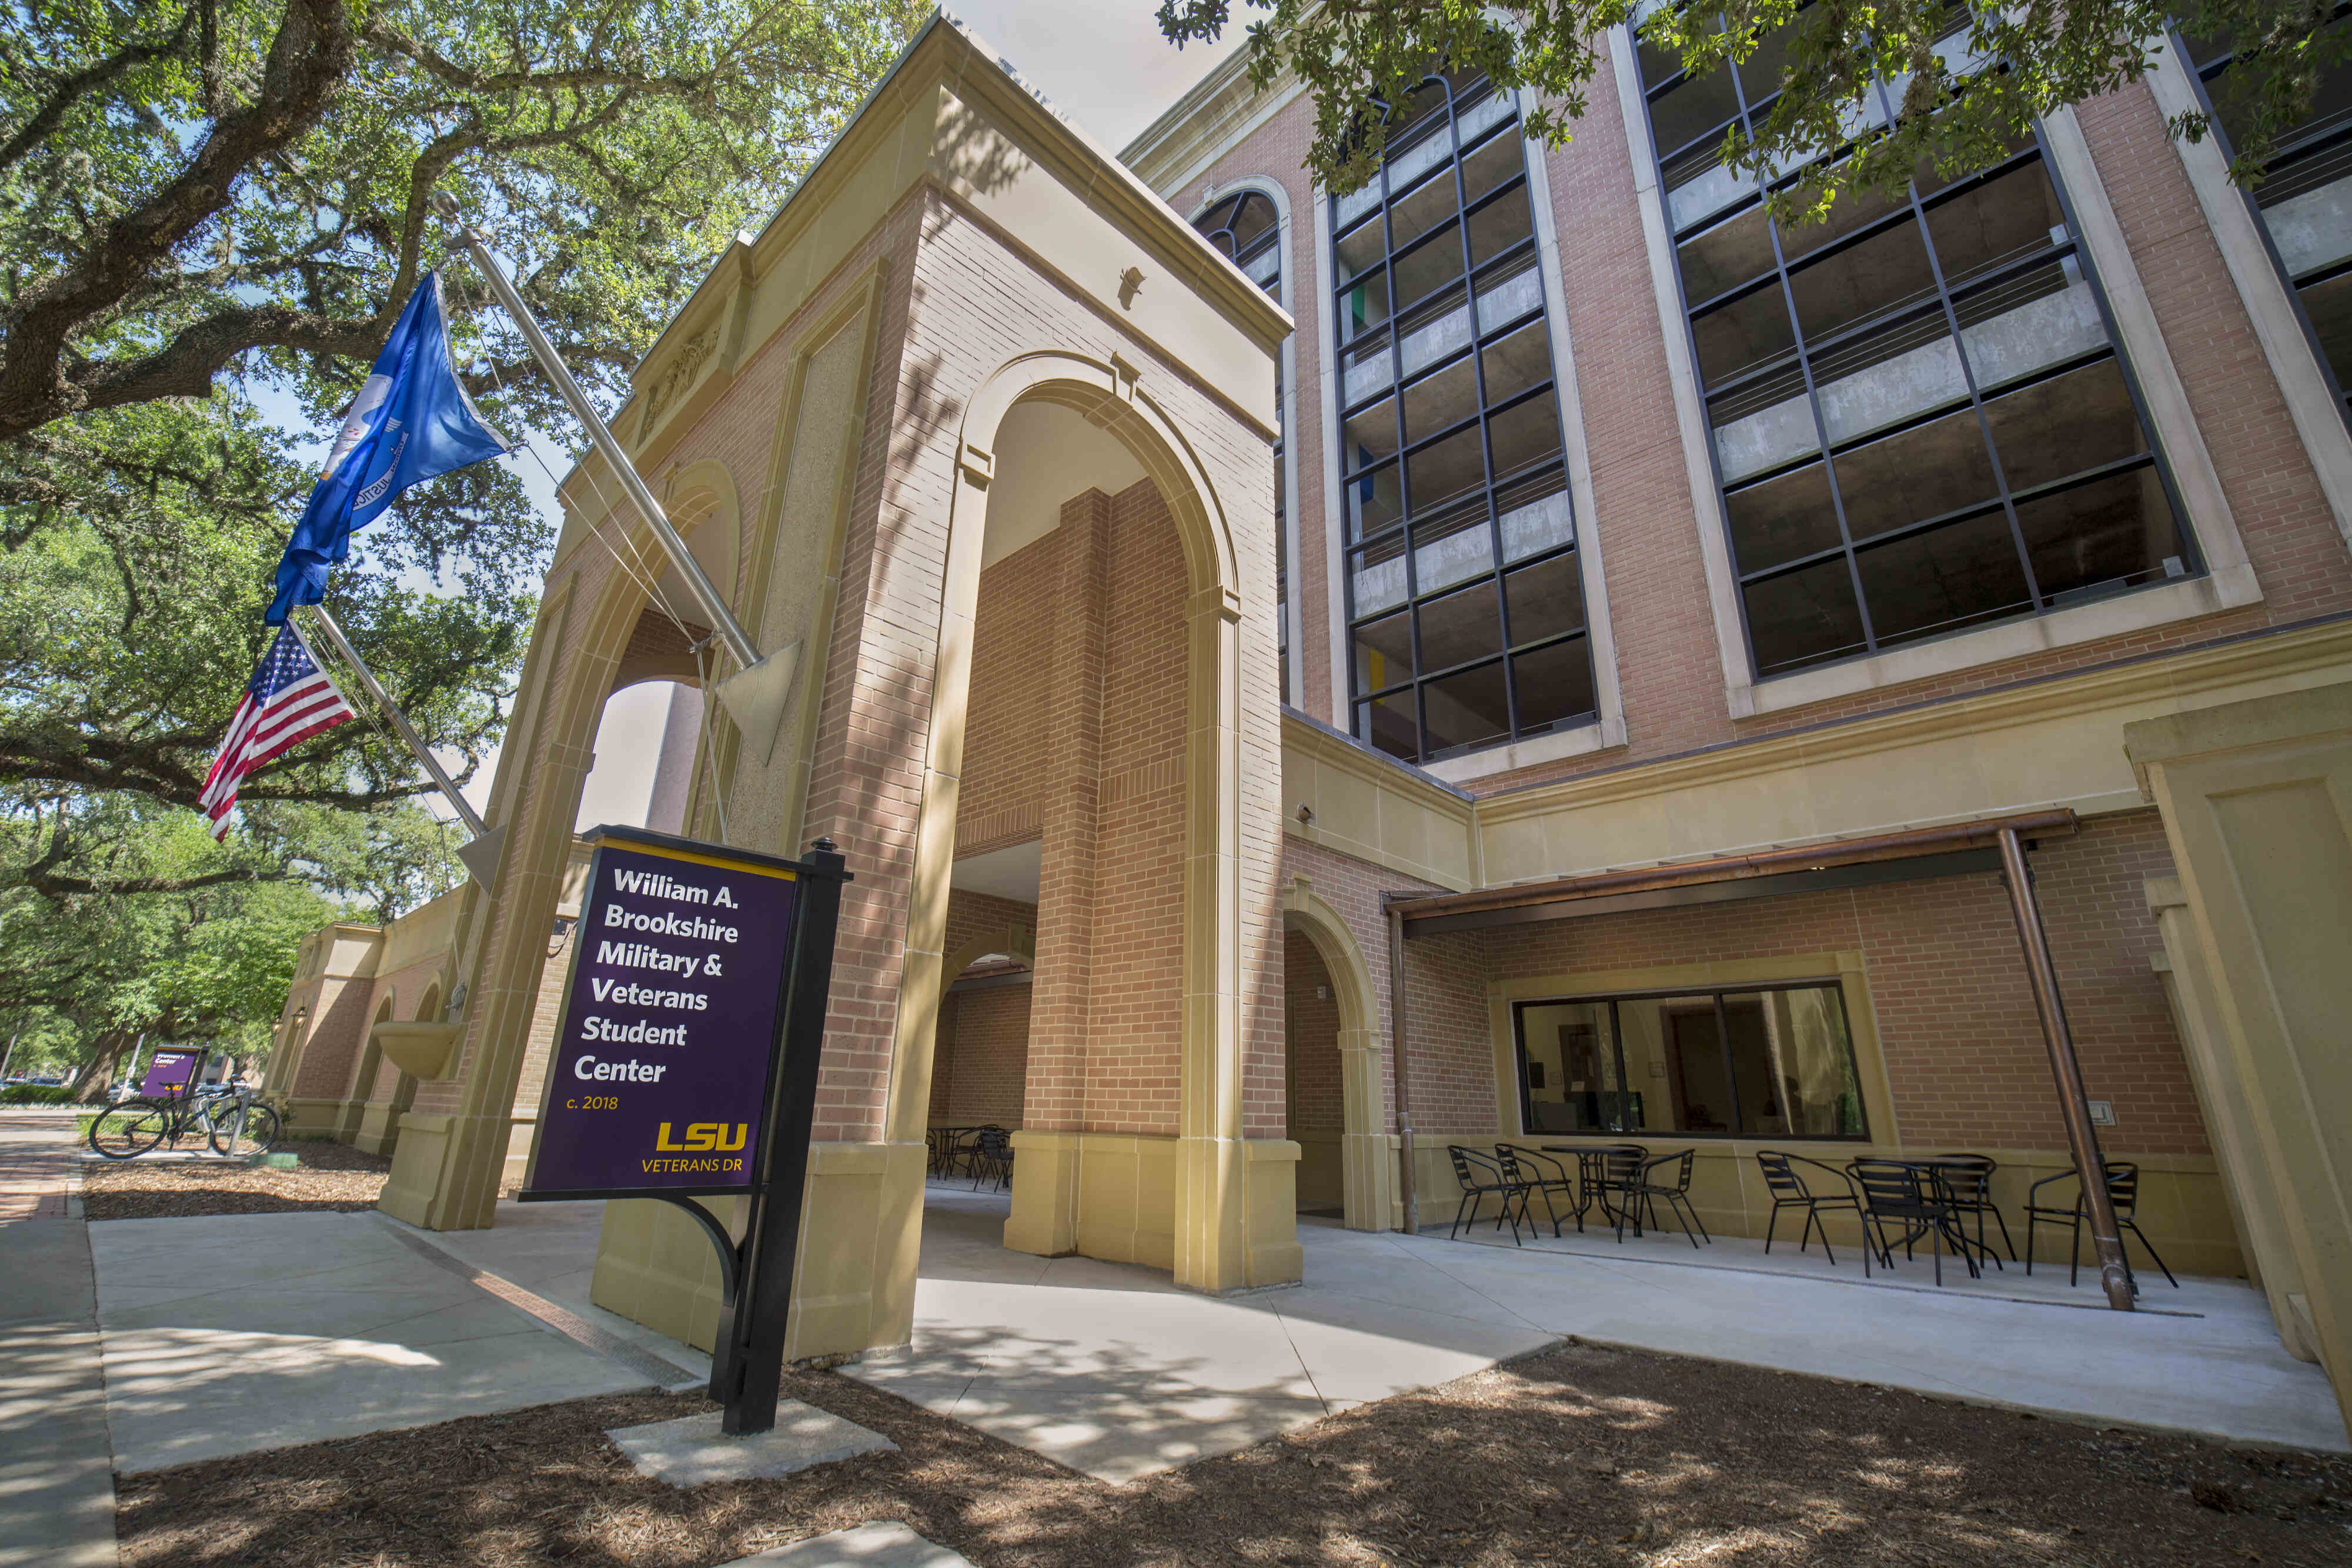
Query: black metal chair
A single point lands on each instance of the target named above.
(1646, 1187)
(1912, 1193)
(2123, 1192)
(1969, 1178)
(1605, 1174)
(989, 1157)
(1481, 1176)
(952, 1156)
(1790, 1189)
(1538, 1172)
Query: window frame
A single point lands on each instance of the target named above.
(1800, 358)
(1716, 991)
(1400, 537)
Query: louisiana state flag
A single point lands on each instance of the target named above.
(410, 423)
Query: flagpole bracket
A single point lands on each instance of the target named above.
(755, 698)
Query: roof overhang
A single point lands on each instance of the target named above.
(1955, 849)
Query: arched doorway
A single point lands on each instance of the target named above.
(614, 643)
(368, 1122)
(1336, 1048)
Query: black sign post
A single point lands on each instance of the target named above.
(746, 1377)
(699, 981)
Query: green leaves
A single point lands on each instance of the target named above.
(211, 206)
(1964, 83)
(219, 206)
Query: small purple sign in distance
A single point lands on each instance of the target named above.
(168, 1071)
(659, 1076)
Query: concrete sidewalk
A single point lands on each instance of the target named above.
(57, 1481)
(228, 1334)
(1112, 1370)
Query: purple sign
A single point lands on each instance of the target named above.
(658, 1081)
(168, 1071)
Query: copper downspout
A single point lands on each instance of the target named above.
(1408, 1187)
(1902, 844)
(2082, 1137)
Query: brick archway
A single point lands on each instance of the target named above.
(1368, 1150)
(1213, 1248)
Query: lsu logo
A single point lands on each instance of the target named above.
(704, 1136)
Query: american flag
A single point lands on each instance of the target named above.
(291, 699)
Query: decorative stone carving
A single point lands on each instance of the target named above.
(680, 374)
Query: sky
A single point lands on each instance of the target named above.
(1107, 69)
(1103, 65)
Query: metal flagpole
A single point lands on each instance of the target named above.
(481, 854)
(754, 695)
(399, 720)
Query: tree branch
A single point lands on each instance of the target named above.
(309, 60)
(70, 90)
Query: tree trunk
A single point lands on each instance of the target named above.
(102, 1061)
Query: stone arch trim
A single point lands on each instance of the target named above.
(1368, 1156)
(1342, 955)
(371, 1057)
(1108, 394)
(682, 496)
(1016, 940)
(588, 613)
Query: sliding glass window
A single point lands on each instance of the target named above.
(1465, 609)
(2304, 199)
(1245, 227)
(1758, 1063)
(1918, 415)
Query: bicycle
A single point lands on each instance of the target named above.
(231, 1120)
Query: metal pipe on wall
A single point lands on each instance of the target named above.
(1408, 1185)
(2082, 1137)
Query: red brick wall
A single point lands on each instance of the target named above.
(1962, 1044)
(1277, 151)
(1353, 889)
(977, 917)
(989, 1060)
(1450, 1061)
(339, 1025)
(1316, 1101)
(1133, 1046)
(1076, 731)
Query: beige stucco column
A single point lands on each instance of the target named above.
(2257, 803)
(1211, 1241)
(2221, 1097)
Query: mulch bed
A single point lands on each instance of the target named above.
(1573, 1455)
(331, 1176)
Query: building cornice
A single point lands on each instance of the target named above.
(2319, 649)
(1215, 114)
(910, 130)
